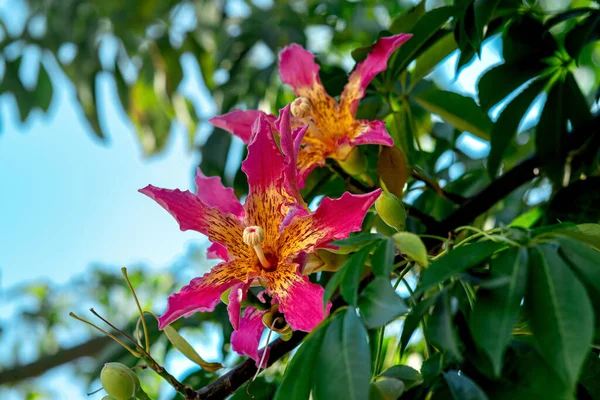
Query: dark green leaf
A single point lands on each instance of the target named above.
(261, 389)
(382, 261)
(122, 88)
(386, 389)
(512, 75)
(586, 263)
(566, 15)
(402, 133)
(379, 303)
(405, 21)
(584, 33)
(426, 27)
(527, 37)
(457, 260)
(431, 57)
(550, 133)
(351, 272)
(441, 330)
(497, 310)
(343, 370)
(577, 108)
(463, 388)
(43, 91)
(460, 111)
(214, 153)
(505, 128)
(584, 193)
(589, 377)
(404, 373)
(412, 320)
(354, 243)
(299, 376)
(483, 11)
(560, 314)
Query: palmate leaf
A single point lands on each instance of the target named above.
(497, 310)
(560, 313)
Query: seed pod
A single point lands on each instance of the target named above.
(391, 210)
(119, 381)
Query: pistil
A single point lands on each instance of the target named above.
(254, 236)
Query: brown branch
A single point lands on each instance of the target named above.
(63, 356)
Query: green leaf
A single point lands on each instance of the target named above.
(386, 389)
(404, 22)
(560, 314)
(441, 331)
(586, 263)
(457, 260)
(497, 310)
(354, 243)
(425, 28)
(43, 90)
(528, 219)
(343, 370)
(122, 88)
(512, 75)
(459, 111)
(298, 379)
(577, 108)
(401, 131)
(261, 389)
(483, 11)
(462, 387)
(566, 15)
(550, 134)
(589, 377)
(431, 57)
(526, 37)
(412, 245)
(351, 272)
(412, 320)
(187, 350)
(404, 373)
(382, 261)
(585, 32)
(379, 303)
(505, 128)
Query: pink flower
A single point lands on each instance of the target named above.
(261, 239)
(333, 129)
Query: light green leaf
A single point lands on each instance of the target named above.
(187, 350)
(457, 260)
(497, 310)
(379, 303)
(405, 21)
(386, 389)
(459, 111)
(343, 370)
(431, 57)
(560, 313)
(412, 245)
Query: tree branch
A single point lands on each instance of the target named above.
(63, 356)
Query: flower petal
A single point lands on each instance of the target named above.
(264, 167)
(212, 193)
(246, 340)
(299, 300)
(290, 145)
(298, 69)
(217, 251)
(371, 132)
(311, 155)
(236, 296)
(366, 70)
(333, 220)
(239, 122)
(203, 293)
(191, 213)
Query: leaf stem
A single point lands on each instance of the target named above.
(146, 340)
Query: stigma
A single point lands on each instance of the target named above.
(253, 236)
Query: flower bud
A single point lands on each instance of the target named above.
(391, 210)
(301, 107)
(119, 381)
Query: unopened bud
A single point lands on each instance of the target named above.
(301, 107)
(253, 235)
(119, 381)
(391, 210)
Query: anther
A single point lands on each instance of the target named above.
(301, 107)
(253, 236)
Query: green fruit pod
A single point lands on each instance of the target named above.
(119, 381)
(391, 210)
